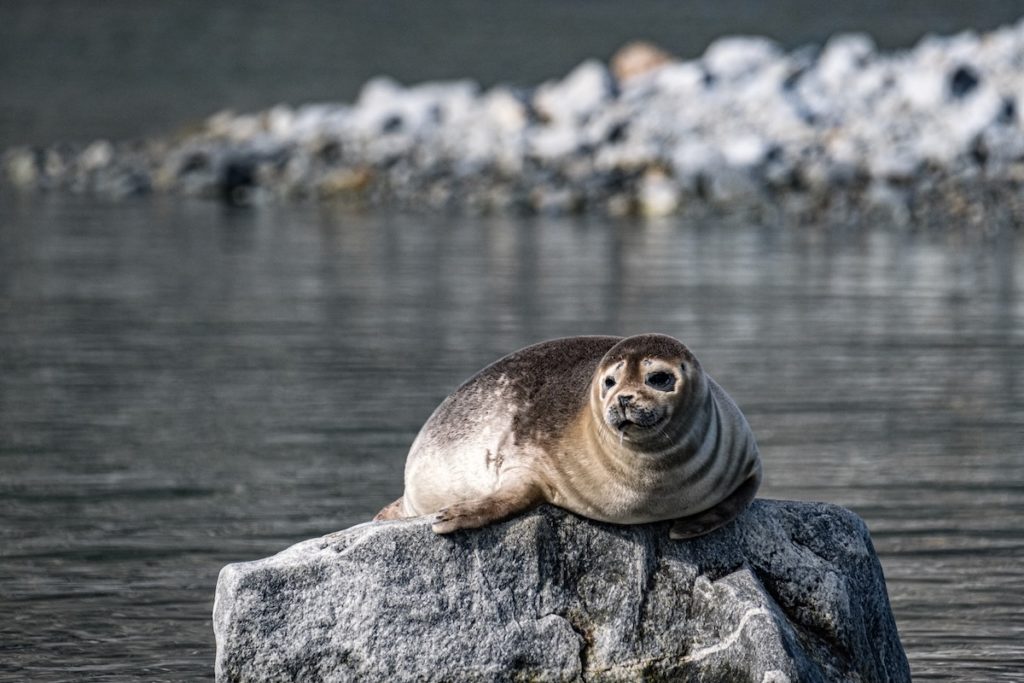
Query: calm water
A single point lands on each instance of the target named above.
(183, 386)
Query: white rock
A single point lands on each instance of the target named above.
(551, 143)
(744, 150)
(739, 56)
(975, 114)
(245, 127)
(923, 85)
(97, 155)
(380, 93)
(843, 57)
(577, 96)
(21, 167)
(314, 121)
(448, 103)
(679, 78)
(280, 121)
(658, 194)
(384, 106)
(505, 111)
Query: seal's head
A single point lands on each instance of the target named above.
(642, 383)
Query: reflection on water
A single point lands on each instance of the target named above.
(184, 386)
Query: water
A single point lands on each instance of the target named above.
(183, 386)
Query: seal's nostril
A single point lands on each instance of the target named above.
(625, 399)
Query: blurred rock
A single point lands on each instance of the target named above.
(638, 58)
(97, 155)
(573, 99)
(658, 194)
(744, 122)
(21, 168)
(737, 57)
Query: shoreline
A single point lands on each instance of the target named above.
(927, 135)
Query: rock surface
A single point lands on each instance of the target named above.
(789, 592)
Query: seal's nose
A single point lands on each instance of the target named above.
(625, 400)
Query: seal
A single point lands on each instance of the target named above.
(625, 430)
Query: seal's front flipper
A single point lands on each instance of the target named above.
(509, 500)
(392, 511)
(721, 514)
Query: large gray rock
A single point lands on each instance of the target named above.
(789, 592)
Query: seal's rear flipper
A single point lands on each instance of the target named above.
(721, 514)
(393, 511)
(511, 499)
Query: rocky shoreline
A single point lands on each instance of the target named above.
(926, 133)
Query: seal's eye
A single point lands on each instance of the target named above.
(662, 381)
(609, 382)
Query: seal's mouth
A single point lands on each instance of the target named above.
(623, 424)
(633, 419)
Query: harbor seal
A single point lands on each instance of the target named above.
(624, 430)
